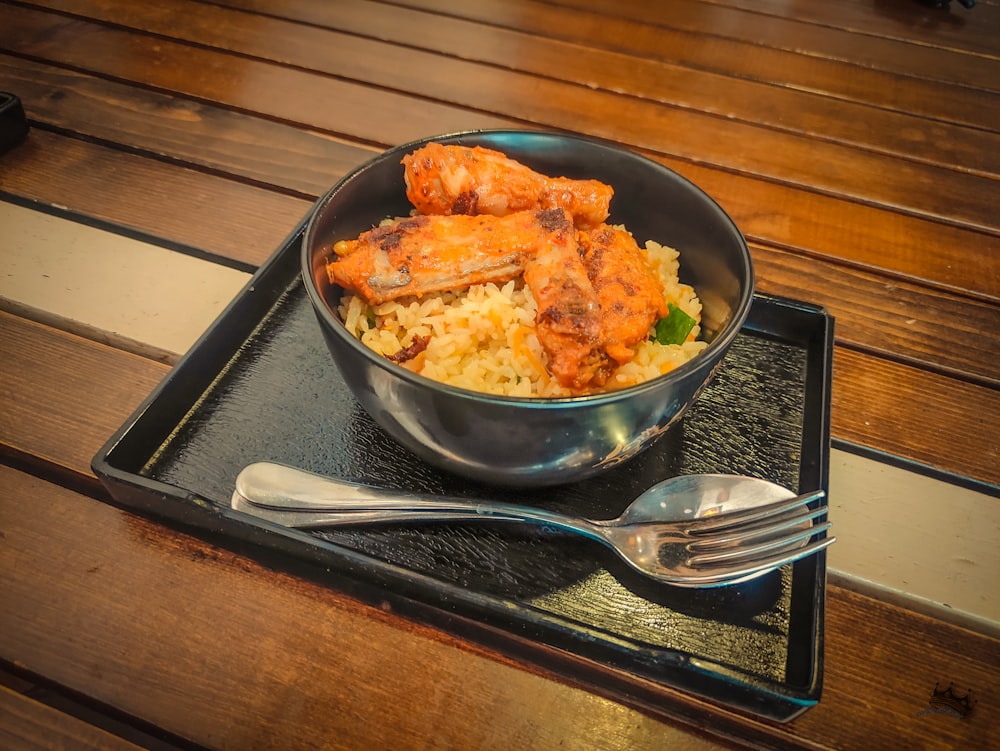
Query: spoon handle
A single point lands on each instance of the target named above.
(302, 518)
(296, 498)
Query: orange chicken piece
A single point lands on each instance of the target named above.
(424, 254)
(630, 293)
(568, 322)
(473, 180)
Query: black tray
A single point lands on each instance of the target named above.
(260, 385)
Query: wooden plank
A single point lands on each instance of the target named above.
(325, 102)
(306, 163)
(271, 154)
(951, 28)
(133, 615)
(918, 188)
(238, 223)
(891, 317)
(838, 64)
(883, 663)
(792, 32)
(922, 416)
(110, 287)
(964, 261)
(72, 566)
(63, 396)
(28, 724)
(81, 624)
(781, 108)
(864, 509)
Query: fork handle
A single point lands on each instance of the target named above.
(281, 493)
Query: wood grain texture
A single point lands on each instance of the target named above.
(375, 679)
(855, 144)
(235, 222)
(60, 378)
(896, 20)
(41, 414)
(253, 149)
(783, 50)
(329, 667)
(897, 319)
(306, 164)
(340, 34)
(504, 97)
(928, 416)
(28, 725)
(330, 104)
(887, 32)
(186, 131)
(889, 317)
(928, 253)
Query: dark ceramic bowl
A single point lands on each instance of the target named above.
(524, 442)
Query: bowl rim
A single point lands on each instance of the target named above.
(319, 303)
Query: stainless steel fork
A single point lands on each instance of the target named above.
(688, 531)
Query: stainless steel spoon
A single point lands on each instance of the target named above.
(689, 531)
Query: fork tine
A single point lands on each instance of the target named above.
(721, 575)
(752, 554)
(764, 531)
(712, 524)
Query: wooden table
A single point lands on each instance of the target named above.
(173, 145)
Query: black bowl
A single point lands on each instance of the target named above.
(526, 442)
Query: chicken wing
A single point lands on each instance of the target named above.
(630, 293)
(597, 299)
(568, 321)
(424, 254)
(473, 180)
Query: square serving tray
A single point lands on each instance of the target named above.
(260, 385)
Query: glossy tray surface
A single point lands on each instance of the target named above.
(260, 385)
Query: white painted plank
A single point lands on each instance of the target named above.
(111, 282)
(905, 535)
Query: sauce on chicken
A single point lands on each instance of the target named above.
(424, 254)
(472, 180)
(568, 322)
(631, 296)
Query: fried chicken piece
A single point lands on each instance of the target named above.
(568, 322)
(424, 254)
(630, 292)
(473, 180)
